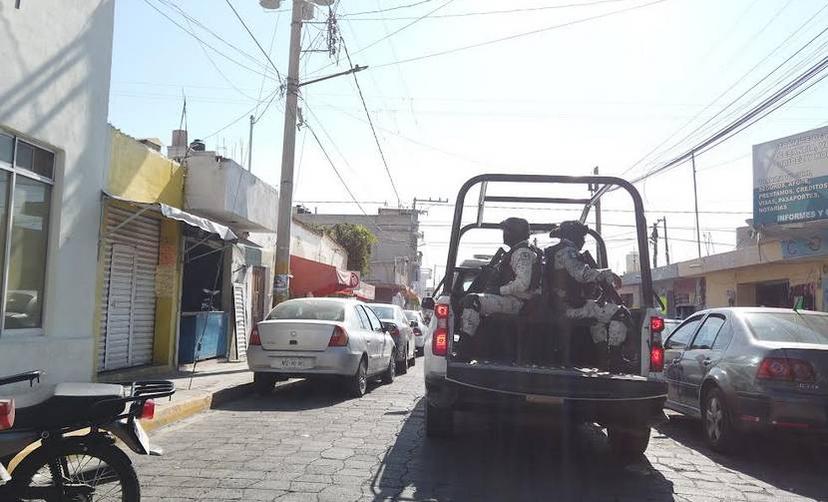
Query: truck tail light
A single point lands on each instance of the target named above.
(441, 311)
(339, 338)
(254, 336)
(657, 358)
(439, 341)
(6, 414)
(656, 324)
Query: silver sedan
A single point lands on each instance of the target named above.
(743, 369)
(321, 337)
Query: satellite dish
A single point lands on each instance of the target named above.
(270, 4)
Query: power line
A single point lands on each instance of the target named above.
(371, 124)
(389, 9)
(404, 27)
(516, 35)
(266, 55)
(243, 115)
(489, 12)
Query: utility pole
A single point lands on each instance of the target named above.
(666, 242)
(696, 200)
(250, 145)
(597, 207)
(281, 285)
(654, 240)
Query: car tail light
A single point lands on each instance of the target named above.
(339, 338)
(783, 368)
(439, 342)
(147, 410)
(656, 324)
(657, 357)
(254, 336)
(6, 414)
(441, 311)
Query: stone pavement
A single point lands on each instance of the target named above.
(307, 442)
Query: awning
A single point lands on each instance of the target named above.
(318, 279)
(223, 232)
(365, 292)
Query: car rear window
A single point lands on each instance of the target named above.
(788, 327)
(383, 312)
(411, 316)
(319, 310)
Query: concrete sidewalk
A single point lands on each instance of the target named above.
(213, 383)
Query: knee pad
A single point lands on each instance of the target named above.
(471, 302)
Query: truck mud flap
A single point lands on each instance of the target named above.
(567, 383)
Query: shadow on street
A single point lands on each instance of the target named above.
(794, 464)
(299, 396)
(522, 459)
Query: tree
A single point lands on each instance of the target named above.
(357, 241)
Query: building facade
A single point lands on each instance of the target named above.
(53, 158)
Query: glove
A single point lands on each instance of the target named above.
(611, 278)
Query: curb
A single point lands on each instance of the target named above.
(176, 412)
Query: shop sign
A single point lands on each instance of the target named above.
(790, 179)
(814, 245)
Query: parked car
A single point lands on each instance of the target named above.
(321, 337)
(420, 329)
(401, 331)
(747, 369)
(669, 326)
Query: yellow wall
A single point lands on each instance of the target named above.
(718, 283)
(142, 175)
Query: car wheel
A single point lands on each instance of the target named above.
(402, 365)
(413, 360)
(439, 421)
(716, 421)
(628, 442)
(263, 383)
(420, 351)
(390, 371)
(358, 383)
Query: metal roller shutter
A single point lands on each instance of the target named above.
(130, 257)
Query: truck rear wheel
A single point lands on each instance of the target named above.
(628, 442)
(439, 421)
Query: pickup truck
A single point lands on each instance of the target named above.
(538, 361)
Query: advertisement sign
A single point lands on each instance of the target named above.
(815, 244)
(790, 179)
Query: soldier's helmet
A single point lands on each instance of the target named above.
(514, 230)
(573, 231)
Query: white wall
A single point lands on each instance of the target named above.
(56, 58)
(308, 244)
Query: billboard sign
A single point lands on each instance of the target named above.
(790, 179)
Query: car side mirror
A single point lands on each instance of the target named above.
(427, 303)
(413, 324)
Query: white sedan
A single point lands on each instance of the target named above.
(321, 337)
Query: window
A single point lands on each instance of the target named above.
(384, 311)
(26, 173)
(319, 310)
(723, 338)
(708, 331)
(681, 336)
(363, 318)
(788, 327)
(376, 324)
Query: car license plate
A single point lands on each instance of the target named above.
(292, 363)
(534, 398)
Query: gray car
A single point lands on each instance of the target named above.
(399, 327)
(749, 369)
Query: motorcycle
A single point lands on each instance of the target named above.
(60, 444)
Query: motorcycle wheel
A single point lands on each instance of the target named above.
(93, 472)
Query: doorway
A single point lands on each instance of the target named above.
(772, 294)
(257, 306)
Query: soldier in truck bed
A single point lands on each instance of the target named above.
(575, 277)
(514, 280)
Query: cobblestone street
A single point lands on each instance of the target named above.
(307, 442)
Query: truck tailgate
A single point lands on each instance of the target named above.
(568, 383)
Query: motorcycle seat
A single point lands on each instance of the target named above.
(66, 404)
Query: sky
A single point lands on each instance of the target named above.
(457, 88)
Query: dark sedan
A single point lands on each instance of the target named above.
(745, 369)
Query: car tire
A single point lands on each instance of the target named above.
(439, 421)
(717, 424)
(413, 360)
(358, 383)
(628, 442)
(402, 366)
(263, 383)
(420, 351)
(391, 370)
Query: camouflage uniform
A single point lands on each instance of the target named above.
(605, 329)
(511, 296)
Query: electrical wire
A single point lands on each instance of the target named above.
(516, 35)
(398, 7)
(489, 12)
(371, 124)
(243, 115)
(266, 55)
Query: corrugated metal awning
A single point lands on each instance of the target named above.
(174, 213)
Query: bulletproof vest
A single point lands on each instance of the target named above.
(505, 274)
(559, 280)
